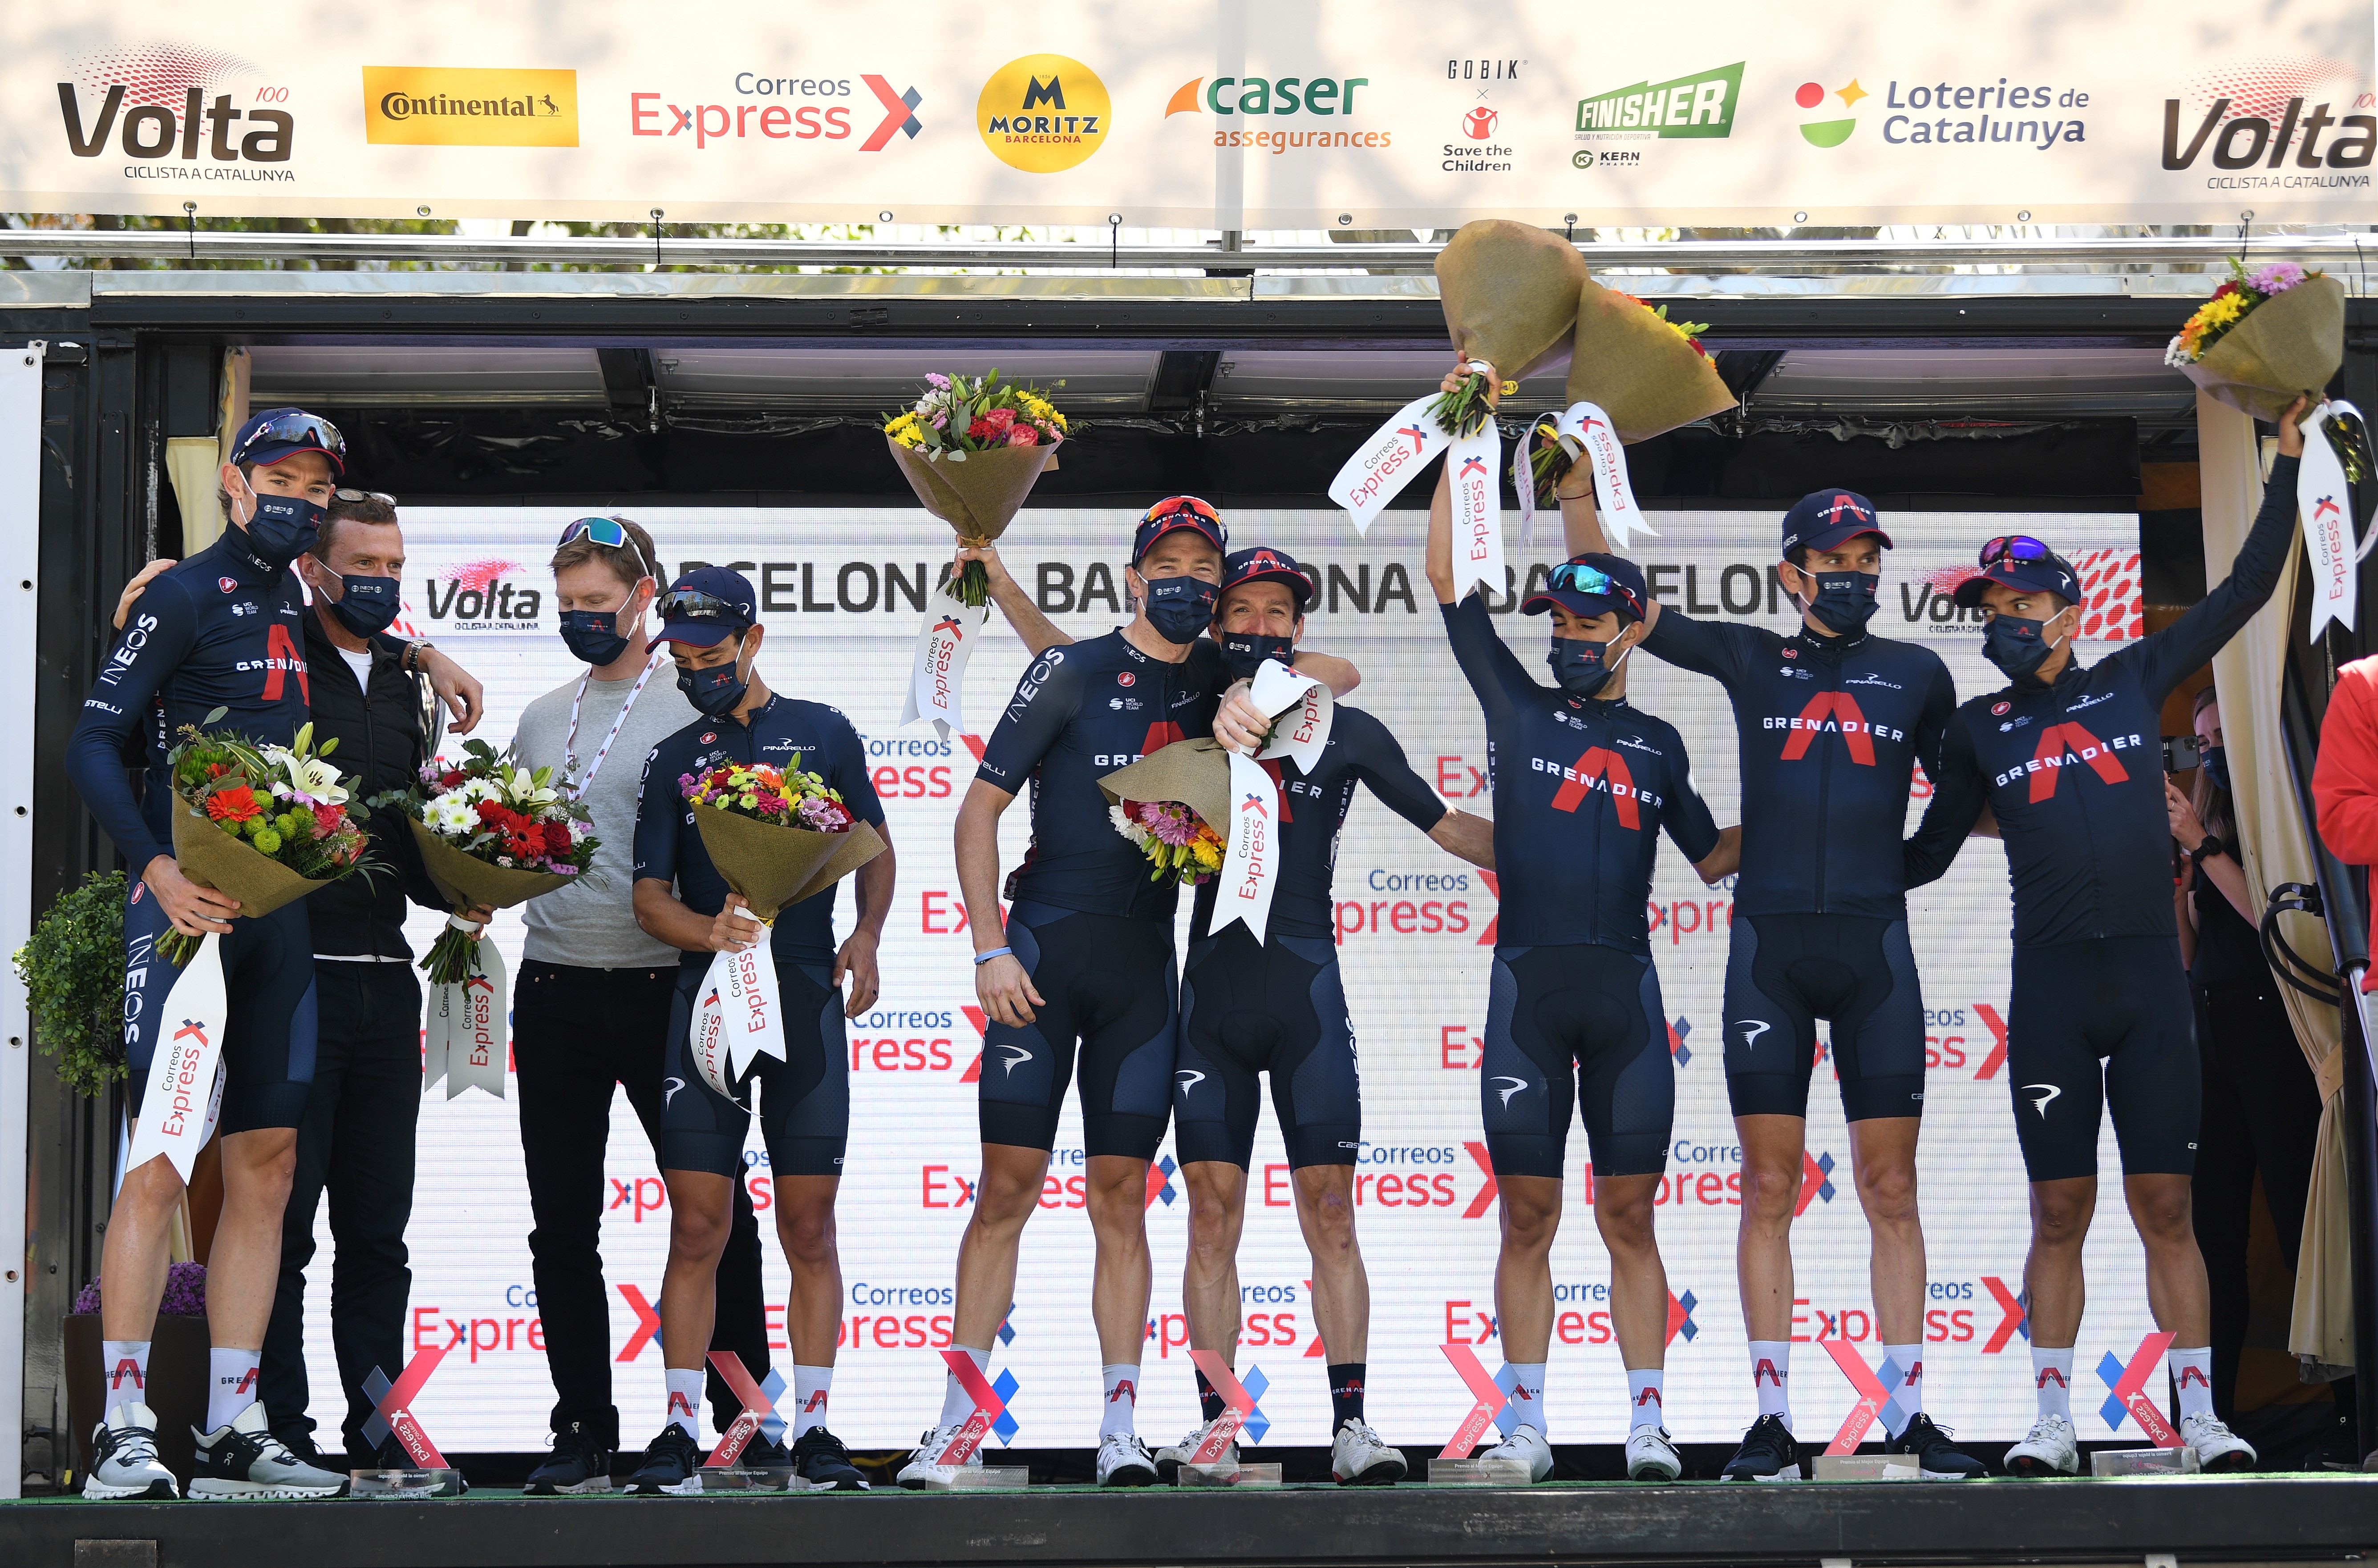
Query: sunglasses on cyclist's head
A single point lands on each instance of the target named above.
(690, 603)
(356, 497)
(2013, 547)
(607, 532)
(1174, 504)
(1577, 577)
(294, 428)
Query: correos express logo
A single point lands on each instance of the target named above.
(1828, 133)
(1043, 113)
(465, 106)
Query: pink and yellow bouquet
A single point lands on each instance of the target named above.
(776, 835)
(2268, 335)
(972, 449)
(1179, 845)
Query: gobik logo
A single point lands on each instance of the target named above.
(170, 104)
(1811, 96)
(1043, 113)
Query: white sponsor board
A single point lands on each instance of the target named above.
(841, 600)
(1214, 116)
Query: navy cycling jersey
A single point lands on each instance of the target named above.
(1581, 788)
(1830, 730)
(2074, 771)
(1081, 712)
(1313, 809)
(221, 630)
(669, 846)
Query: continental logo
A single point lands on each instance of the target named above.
(1043, 113)
(464, 106)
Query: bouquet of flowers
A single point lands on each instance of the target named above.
(1510, 295)
(972, 449)
(267, 824)
(491, 834)
(2266, 336)
(1646, 373)
(1179, 845)
(776, 835)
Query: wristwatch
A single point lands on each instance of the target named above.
(412, 654)
(2206, 849)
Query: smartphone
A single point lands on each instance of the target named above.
(2182, 753)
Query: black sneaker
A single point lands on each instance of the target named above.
(668, 1466)
(1767, 1453)
(820, 1460)
(581, 1464)
(1939, 1459)
(764, 1452)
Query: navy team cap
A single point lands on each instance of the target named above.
(279, 433)
(1179, 511)
(706, 606)
(1822, 519)
(2022, 563)
(1264, 564)
(1593, 584)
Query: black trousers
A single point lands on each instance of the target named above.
(2261, 1113)
(356, 1142)
(576, 1034)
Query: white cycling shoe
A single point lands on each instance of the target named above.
(2052, 1448)
(1358, 1458)
(1124, 1461)
(926, 1466)
(1651, 1456)
(1171, 1458)
(1527, 1446)
(2218, 1448)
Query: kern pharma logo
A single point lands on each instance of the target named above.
(1699, 105)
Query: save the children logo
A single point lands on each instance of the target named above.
(1043, 113)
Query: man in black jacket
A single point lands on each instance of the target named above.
(357, 1136)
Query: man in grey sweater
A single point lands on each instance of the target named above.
(592, 1008)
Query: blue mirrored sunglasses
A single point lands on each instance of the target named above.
(1580, 579)
(607, 532)
(294, 428)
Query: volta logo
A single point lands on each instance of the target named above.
(464, 106)
(477, 598)
(1043, 113)
(1837, 711)
(1828, 133)
(2252, 115)
(2057, 742)
(1700, 105)
(1479, 124)
(166, 100)
(1319, 96)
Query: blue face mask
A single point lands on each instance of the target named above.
(1845, 601)
(1243, 652)
(1181, 608)
(1581, 667)
(592, 635)
(366, 605)
(716, 691)
(283, 528)
(2016, 646)
(2217, 767)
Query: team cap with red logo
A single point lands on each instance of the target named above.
(1822, 519)
(279, 433)
(1264, 564)
(1179, 511)
(2022, 563)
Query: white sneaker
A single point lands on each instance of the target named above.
(1651, 1456)
(1357, 1458)
(1170, 1458)
(1527, 1445)
(1124, 1461)
(2051, 1449)
(124, 1456)
(926, 1466)
(243, 1461)
(2218, 1448)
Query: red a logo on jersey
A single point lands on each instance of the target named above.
(1123, 1392)
(281, 657)
(1159, 736)
(2054, 741)
(1842, 708)
(1271, 765)
(1765, 1373)
(127, 1370)
(1611, 768)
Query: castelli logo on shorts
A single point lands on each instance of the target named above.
(709, 736)
(1999, 710)
(1125, 677)
(228, 584)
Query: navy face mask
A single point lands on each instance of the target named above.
(2016, 646)
(1181, 608)
(715, 691)
(1243, 652)
(366, 605)
(1845, 601)
(1581, 667)
(283, 528)
(2215, 763)
(593, 636)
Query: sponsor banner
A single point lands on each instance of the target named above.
(841, 591)
(1204, 115)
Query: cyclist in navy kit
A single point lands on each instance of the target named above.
(2065, 757)
(1086, 959)
(1584, 783)
(1830, 723)
(804, 1098)
(1279, 1006)
(219, 630)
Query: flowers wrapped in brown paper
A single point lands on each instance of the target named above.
(775, 868)
(2285, 347)
(464, 880)
(1638, 369)
(214, 858)
(1509, 293)
(975, 493)
(1195, 772)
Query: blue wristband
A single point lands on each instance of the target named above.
(982, 958)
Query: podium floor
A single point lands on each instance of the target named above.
(2197, 1520)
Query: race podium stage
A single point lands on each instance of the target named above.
(2198, 1520)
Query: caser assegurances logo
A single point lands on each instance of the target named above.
(1043, 113)
(463, 106)
(179, 113)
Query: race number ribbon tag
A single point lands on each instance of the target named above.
(393, 1408)
(1251, 862)
(176, 1118)
(1390, 459)
(2326, 504)
(757, 1408)
(988, 1407)
(1878, 1395)
(1302, 706)
(1476, 461)
(1237, 1404)
(937, 674)
(754, 1025)
(1489, 1397)
(1592, 440)
(2130, 1395)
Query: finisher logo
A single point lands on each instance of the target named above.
(1043, 113)
(456, 106)
(1700, 105)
